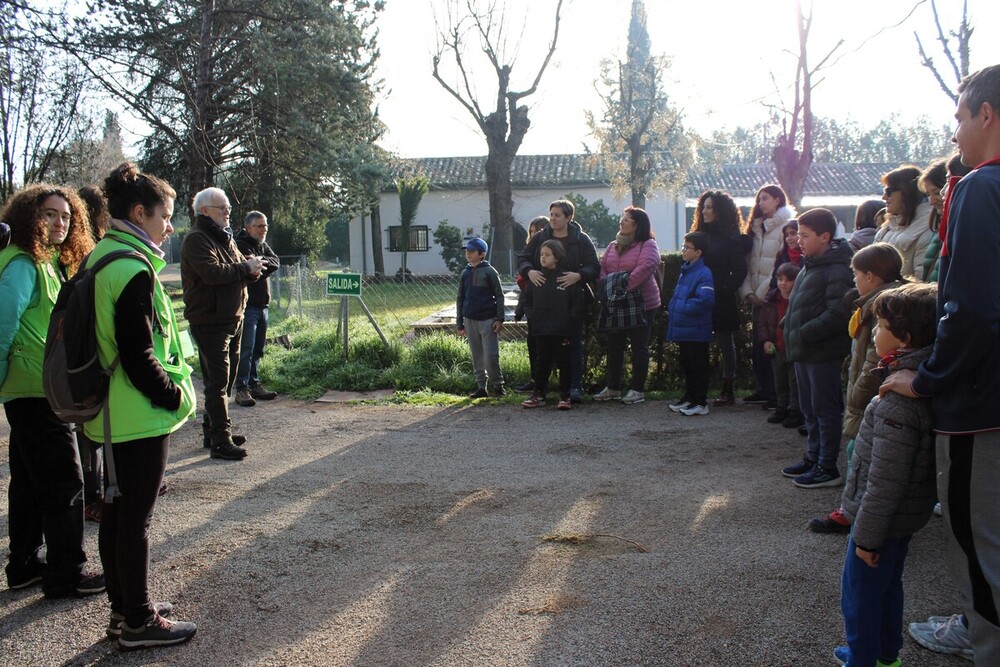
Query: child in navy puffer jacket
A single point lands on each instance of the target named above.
(689, 323)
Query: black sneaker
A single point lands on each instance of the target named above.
(88, 584)
(526, 388)
(576, 396)
(770, 404)
(228, 452)
(799, 469)
(802, 429)
(30, 575)
(818, 478)
(118, 620)
(755, 398)
(794, 420)
(479, 393)
(778, 417)
(157, 631)
(500, 391)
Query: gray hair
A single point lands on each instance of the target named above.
(251, 216)
(207, 197)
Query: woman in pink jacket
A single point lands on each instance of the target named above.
(634, 250)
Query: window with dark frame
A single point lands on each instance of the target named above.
(419, 238)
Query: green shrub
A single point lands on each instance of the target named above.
(374, 353)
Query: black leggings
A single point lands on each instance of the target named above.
(124, 534)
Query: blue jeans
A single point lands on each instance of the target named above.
(251, 346)
(871, 599)
(821, 401)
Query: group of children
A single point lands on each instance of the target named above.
(839, 297)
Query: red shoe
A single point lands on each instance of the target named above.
(535, 401)
(93, 511)
(565, 404)
(835, 522)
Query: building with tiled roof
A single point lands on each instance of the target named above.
(458, 195)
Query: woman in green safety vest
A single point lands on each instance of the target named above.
(49, 237)
(149, 397)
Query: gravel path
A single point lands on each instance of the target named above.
(386, 535)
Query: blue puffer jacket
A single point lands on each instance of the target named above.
(690, 308)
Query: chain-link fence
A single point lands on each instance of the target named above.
(404, 308)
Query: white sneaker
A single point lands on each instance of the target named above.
(937, 510)
(949, 637)
(633, 396)
(679, 405)
(607, 394)
(695, 410)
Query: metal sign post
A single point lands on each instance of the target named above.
(347, 285)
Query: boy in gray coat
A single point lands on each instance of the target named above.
(890, 488)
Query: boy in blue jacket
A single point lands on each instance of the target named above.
(690, 323)
(479, 313)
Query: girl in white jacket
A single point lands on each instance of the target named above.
(907, 224)
(767, 219)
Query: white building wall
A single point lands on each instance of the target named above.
(469, 210)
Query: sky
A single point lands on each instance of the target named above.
(730, 60)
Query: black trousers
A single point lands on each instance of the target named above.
(694, 363)
(124, 536)
(554, 352)
(219, 357)
(46, 495)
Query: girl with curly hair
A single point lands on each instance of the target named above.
(718, 216)
(49, 238)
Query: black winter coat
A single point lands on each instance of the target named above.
(551, 309)
(816, 322)
(581, 256)
(259, 292)
(727, 260)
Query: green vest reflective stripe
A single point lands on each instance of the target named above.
(132, 415)
(24, 370)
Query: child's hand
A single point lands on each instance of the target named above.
(869, 557)
(770, 348)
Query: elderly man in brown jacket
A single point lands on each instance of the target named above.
(214, 275)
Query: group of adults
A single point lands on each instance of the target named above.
(51, 233)
(946, 224)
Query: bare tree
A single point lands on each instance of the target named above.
(41, 98)
(505, 126)
(793, 152)
(957, 57)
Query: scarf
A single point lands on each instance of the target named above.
(128, 228)
(889, 360)
(624, 241)
(795, 256)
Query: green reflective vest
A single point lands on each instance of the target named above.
(24, 371)
(132, 415)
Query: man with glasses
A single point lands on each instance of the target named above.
(214, 275)
(251, 243)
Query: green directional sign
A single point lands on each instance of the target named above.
(343, 284)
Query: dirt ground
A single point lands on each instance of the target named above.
(385, 535)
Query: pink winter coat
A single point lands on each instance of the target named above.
(641, 261)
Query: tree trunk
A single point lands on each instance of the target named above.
(498, 166)
(378, 262)
(200, 169)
